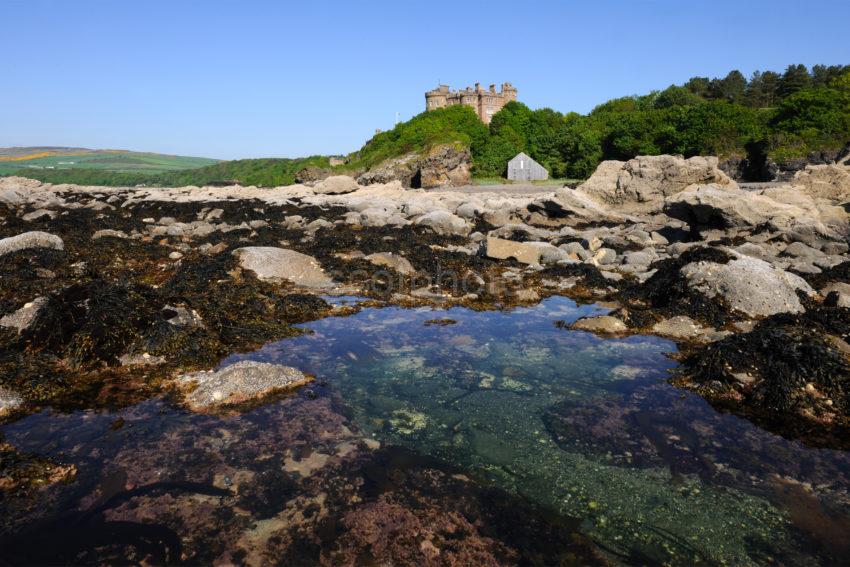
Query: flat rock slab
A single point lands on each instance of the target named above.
(281, 264)
(34, 239)
(239, 383)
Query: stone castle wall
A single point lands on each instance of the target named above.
(485, 102)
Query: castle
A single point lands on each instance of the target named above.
(485, 102)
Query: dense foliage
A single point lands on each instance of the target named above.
(780, 116)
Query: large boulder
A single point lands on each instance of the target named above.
(336, 185)
(641, 184)
(748, 285)
(238, 383)
(34, 239)
(445, 223)
(440, 166)
(719, 206)
(282, 264)
(524, 252)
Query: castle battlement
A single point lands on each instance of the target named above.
(486, 102)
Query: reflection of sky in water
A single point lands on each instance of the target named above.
(581, 425)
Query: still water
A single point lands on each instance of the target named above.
(437, 437)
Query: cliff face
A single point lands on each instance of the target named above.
(444, 165)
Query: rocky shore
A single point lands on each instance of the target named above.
(111, 295)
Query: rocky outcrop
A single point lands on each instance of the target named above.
(281, 264)
(829, 182)
(748, 285)
(311, 174)
(34, 239)
(445, 223)
(641, 184)
(238, 383)
(441, 166)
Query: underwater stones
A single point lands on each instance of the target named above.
(444, 223)
(749, 285)
(23, 317)
(281, 264)
(33, 239)
(238, 383)
(602, 325)
(336, 185)
(393, 261)
(9, 401)
(408, 422)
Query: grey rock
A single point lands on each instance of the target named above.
(681, 328)
(524, 252)
(575, 250)
(393, 261)
(445, 223)
(143, 359)
(37, 214)
(108, 232)
(239, 383)
(336, 185)
(749, 285)
(800, 250)
(23, 317)
(281, 264)
(34, 239)
(11, 198)
(603, 257)
(182, 317)
(841, 289)
(640, 258)
(835, 248)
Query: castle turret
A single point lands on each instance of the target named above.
(437, 98)
(509, 91)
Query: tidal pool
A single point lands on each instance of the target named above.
(430, 437)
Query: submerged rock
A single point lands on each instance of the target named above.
(239, 383)
(34, 239)
(277, 264)
(9, 401)
(749, 285)
(603, 325)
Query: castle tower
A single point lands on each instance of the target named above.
(508, 92)
(485, 102)
(437, 98)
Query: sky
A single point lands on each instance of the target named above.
(269, 78)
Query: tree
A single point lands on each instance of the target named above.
(730, 88)
(675, 96)
(795, 78)
(761, 91)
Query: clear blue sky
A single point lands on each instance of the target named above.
(256, 78)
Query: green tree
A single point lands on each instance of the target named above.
(795, 78)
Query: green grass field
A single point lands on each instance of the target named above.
(103, 160)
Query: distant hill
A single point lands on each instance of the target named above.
(28, 160)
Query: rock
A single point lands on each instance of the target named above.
(445, 223)
(108, 232)
(440, 166)
(602, 325)
(800, 250)
(748, 285)
(575, 250)
(603, 257)
(393, 261)
(9, 401)
(524, 252)
(23, 317)
(180, 316)
(641, 184)
(11, 198)
(526, 295)
(468, 210)
(175, 255)
(281, 264)
(336, 185)
(311, 174)
(640, 257)
(34, 239)
(680, 328)
(829, 182)
(841, 291)
(37, 214)
(143, 359)
(239, 383)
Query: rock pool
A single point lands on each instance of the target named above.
(433, 437)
